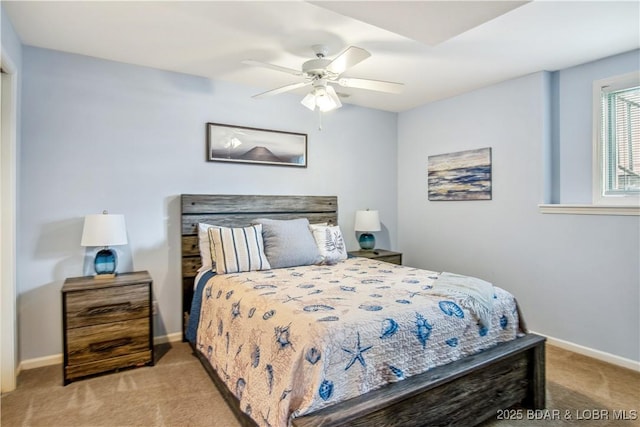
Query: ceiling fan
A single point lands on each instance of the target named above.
(322, 74)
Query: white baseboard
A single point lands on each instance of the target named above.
(56, 359)
(590, 352)
(176, 336)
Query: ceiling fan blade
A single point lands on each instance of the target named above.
(281, 89)
(347, 59)
(378, 85)
(272, 67)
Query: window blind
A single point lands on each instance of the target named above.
(621, 137)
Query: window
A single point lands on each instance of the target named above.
(617, 140)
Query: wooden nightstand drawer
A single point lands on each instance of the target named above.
(94, 307)
(98, 342)
(73, 372)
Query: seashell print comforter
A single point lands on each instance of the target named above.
(290, 341)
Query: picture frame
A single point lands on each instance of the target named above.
(459, 176)
(241, 144)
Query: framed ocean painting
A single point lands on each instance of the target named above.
(239, 144)
(464, 175)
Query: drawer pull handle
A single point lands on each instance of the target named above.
(104, 346)
(109, 308)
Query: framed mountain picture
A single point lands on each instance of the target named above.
(239, 144)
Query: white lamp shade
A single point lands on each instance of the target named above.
(104, 230)
(367, 221)
(323, 97)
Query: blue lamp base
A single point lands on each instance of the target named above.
(105, 263)
(367, 241)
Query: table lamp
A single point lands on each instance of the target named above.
(104, 230)
(367, 221)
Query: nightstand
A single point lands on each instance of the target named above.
(380, 255)
(107, 324)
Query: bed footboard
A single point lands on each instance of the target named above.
(463, 393)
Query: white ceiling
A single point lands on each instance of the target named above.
(437, 49)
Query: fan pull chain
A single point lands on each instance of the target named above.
(319, 119)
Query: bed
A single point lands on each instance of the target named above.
(462, 392)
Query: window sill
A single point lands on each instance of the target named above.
(589, 209)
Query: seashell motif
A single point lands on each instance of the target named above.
(329, 319)
(389, 328)
(219, 293)
(312, 356)
(240, 384)
(269, 370)
(220, 327)
(371, 281)
(235, 309)
(306, 285)
(450, 308)
(370, 307)
(326, 389)
(318, 307)
(252, 312)
(285, 394)
(482, 330)
(228, 295)
(504, 322)
(264, 287)
(255, 356)
(209, 351)
(348, 288)
(248, 410)
(316, 291)
(423, 329)
(282, 336)
(403, 301)
(269, 314)
(452, 342)
(396, 371)
(208, 292)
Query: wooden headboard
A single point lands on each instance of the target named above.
(238, 211)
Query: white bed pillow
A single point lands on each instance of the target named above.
(288, 243)
(330, 243)
(238, 249)
(206, 257)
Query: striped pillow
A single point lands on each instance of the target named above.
(238, 249)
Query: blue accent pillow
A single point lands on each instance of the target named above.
(288, 243)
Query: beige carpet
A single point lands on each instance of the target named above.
(178, 392)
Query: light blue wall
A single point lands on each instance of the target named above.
(575, 276)
(573, 135)
(105, 135)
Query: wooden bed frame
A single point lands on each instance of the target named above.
(463, 393)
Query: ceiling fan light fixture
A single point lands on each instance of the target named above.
(327, 99)
(324, 98)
